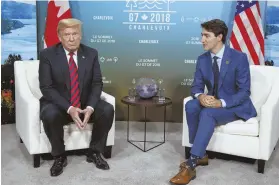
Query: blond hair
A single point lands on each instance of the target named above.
(66, 23)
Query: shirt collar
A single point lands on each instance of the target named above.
(220, 53)
(67, 52)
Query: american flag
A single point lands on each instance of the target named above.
(247, 34)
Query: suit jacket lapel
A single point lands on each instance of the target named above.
(224, 66)
(63, 61)
(81, 67)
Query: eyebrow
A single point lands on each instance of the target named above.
(206, 34)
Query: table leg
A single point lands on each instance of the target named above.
(144, 128)
(128, 123)
(144, 140)
(165, 112)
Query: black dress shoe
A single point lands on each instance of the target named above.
(58, 165)
(98, 160)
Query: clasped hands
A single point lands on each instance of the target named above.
(75, 114)
(209, 101)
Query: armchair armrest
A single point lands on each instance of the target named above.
(110, 99)
(185, 134)
(27, 110)
(269, 127)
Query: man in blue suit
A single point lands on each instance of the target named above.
(226, 74)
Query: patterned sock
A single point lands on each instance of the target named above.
(192, 161)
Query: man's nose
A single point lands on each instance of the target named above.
(71, 38)
(202, 39)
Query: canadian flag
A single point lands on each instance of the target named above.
(56, 10)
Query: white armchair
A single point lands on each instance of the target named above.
(256, 138)
(30, 127)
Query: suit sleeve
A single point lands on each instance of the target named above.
(46, 85)
(96, 85)
(243, 83)
(198, 83)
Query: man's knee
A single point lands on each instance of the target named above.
(108, 114)
(108, 110)
(50, 114)
(193, 106)
(208, 112)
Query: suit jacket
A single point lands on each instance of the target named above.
(54, 76)
(234, 81)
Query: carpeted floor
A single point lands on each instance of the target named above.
(129, 165)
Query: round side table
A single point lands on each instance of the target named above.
(152, 102)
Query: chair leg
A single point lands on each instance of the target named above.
(187, 152)
(211, 155)
(261, 164)
(36, 160)
(107, 152)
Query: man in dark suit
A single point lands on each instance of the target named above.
(226, 74)
(71, 84)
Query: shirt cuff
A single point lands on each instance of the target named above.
(197, 94)
(69, 109)
(90, 108)
(223, 103)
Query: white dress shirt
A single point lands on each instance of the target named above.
(219, 55)
(74, 56)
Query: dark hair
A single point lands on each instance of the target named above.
(216, 26)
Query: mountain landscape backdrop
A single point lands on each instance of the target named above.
(11, 10)
(272, 20)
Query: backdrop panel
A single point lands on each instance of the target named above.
(272, 33)
(157, 39)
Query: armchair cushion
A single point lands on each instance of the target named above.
(71, 127)
(240, 127)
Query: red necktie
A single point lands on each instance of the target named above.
(75, 96)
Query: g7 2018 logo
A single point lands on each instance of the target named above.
(149, 15)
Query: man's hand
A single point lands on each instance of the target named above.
(216, 103)
(87, 113)
(209, 101)
(206, 100)
(74, 113)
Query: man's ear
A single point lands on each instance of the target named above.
(58, 35)
(220, 37)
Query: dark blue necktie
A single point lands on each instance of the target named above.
(216, 73)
